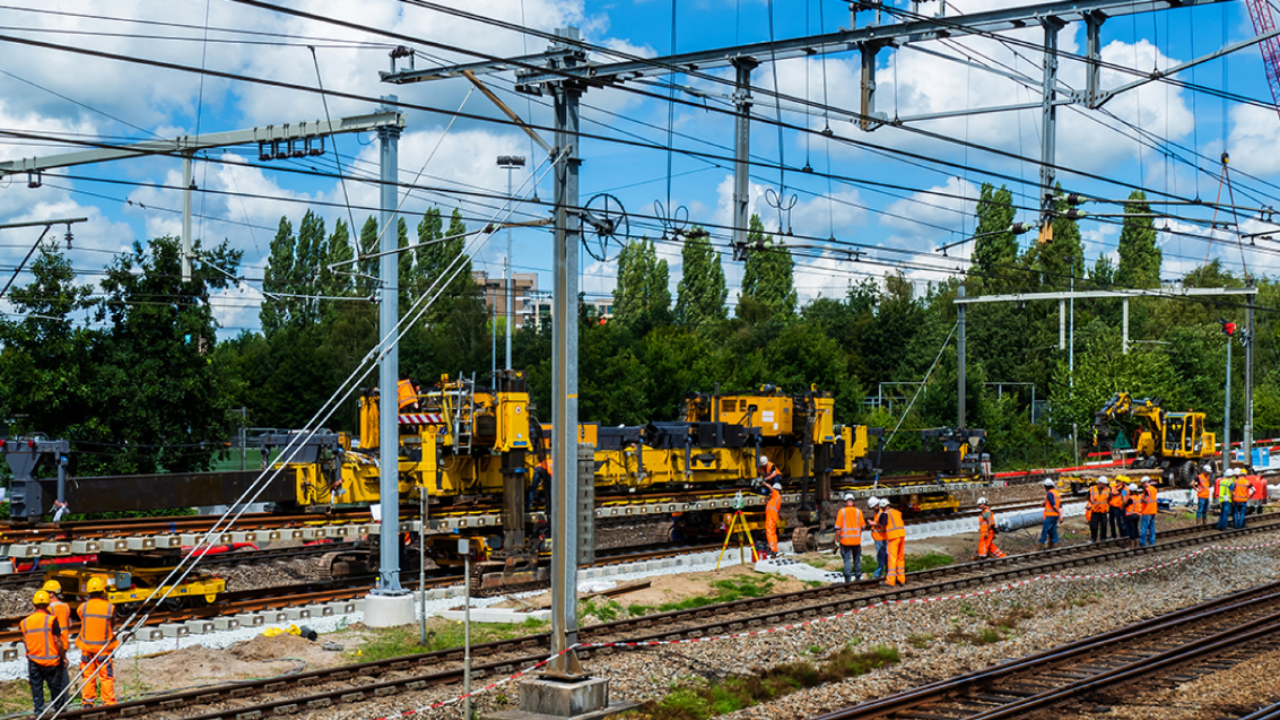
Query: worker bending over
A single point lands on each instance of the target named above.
(1099, 509)
(1119, 494)
(877, 537)
(42, 635)
(895, 535)
(1203, 486)
(987, 532)
(849, 524)
(1052, 511)
(1147, 525)
(97, 641)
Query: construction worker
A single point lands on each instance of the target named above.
(97, 641)
(1240, 491)
(987, 532)
(1099, 509)
(1258, 492)
(768, 471)
(895, 535)
(771, 511)
(46, 655)
(1203, 486)
(1224, 499)
(1147, 523)
(1133, 513)
(407, 395)
(877, 537)
(1052, 512)
(1119, 493)
(849, 524)
(62, 611)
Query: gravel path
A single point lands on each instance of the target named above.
(936, 641)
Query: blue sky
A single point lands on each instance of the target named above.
(67, 96)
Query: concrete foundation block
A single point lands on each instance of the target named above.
(149, 633)
(199, 627)
(174, 630)
(191, 539)
(302, 613)
(388, 610)
(53, 549)
(85, 547)
(250, 619)
(224, 623)
(141, 543)
(545, 699)
(12, 651)
(275, 617)
(244, 537)
(168, 541)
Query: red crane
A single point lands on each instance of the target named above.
(1263, 22)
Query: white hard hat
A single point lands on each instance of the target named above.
(1133, 486)
(848, 497)
(1208, 468)
(764, 459)
(884, 502)
(777, 486)
(1146, 479)
(1102, 480)
(1048, 482)
(873, 501)
(982, 501)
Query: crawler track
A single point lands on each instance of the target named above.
(1184, 644)
(322, 688)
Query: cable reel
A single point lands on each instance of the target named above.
(609, 225)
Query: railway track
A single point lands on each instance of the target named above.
(1179, 646)
(322, 688)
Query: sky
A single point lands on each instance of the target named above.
(896, 193)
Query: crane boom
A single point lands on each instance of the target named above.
(1263, 22)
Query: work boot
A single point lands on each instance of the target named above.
(847, 579)
(1039, 546)
(1053, 545)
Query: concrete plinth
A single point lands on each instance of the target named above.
(545, 699)
(388, 610)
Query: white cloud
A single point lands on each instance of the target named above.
(1254, 142)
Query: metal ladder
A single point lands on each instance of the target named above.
(464, 413)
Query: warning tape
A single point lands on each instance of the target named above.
(828, 618)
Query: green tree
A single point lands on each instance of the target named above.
(336, 283)
(278, 277)
(995, 249)
(1140, 256)
(768, 276)
(367, 282)
(701, 293)
(642, 296)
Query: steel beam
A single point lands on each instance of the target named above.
(389, 369)
(191, 143)
(1093, 56)
(127, 493)
(187, 182)
(1100, 99)
(868, 87)
(1247, 439)
(564, 374)
(1124, 323)
(960, 359)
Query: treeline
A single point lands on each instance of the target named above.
(883, 338)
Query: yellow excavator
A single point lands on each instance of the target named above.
(1174, 442)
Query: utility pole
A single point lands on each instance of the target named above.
(742, 152)
(510, 162)
(960, 356)
(1248, 380)
(1226, 413)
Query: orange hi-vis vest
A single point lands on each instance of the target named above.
(1149, 501)
(986, 522)
(1202, 486)
(37, 635)
(894, 528)
(1099, 499)
(1240, 489)
(1118, 496)
(875, 523)
(96, 627)
(1052, 503)
(1259, 485)
(849, 524)
(405, 394)
(775, 502)
(62, 612)
(1133, 504)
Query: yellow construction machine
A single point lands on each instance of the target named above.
(1174, 442)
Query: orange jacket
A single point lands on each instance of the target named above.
(1241, 489)
(1099, 499)
(894, 528)
(770, 472)
(1202, 486)
(1052, 503)
(1259, 484)
(849, 524)
(775, 502)
(876, 521)
(1133, 504)
(62, 612)
(1118, 496)
(40, 633)
(1149, 501)
(97, 631)
(986, 522)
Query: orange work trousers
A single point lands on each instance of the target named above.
(771, 530)
(95, 672)
(897, 574)
(987, 546)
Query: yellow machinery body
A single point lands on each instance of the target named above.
(1173, 442)
(127, 583)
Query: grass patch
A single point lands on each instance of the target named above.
(728, 590)
(928, 561)
(920, 641)
(702, 700)
(606, 611)
(984, 636)
(1009, 621)
(384, 643)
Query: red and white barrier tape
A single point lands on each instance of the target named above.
(816, 621)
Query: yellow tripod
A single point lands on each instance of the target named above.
(738, 524)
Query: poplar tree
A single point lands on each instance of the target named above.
(768, 276)
(642, 295)
(701, 293)
(277, 278)
(1140, 256)
(995, 250)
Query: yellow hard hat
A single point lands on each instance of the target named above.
(52, 586)
(95, 585)
(41, 598)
